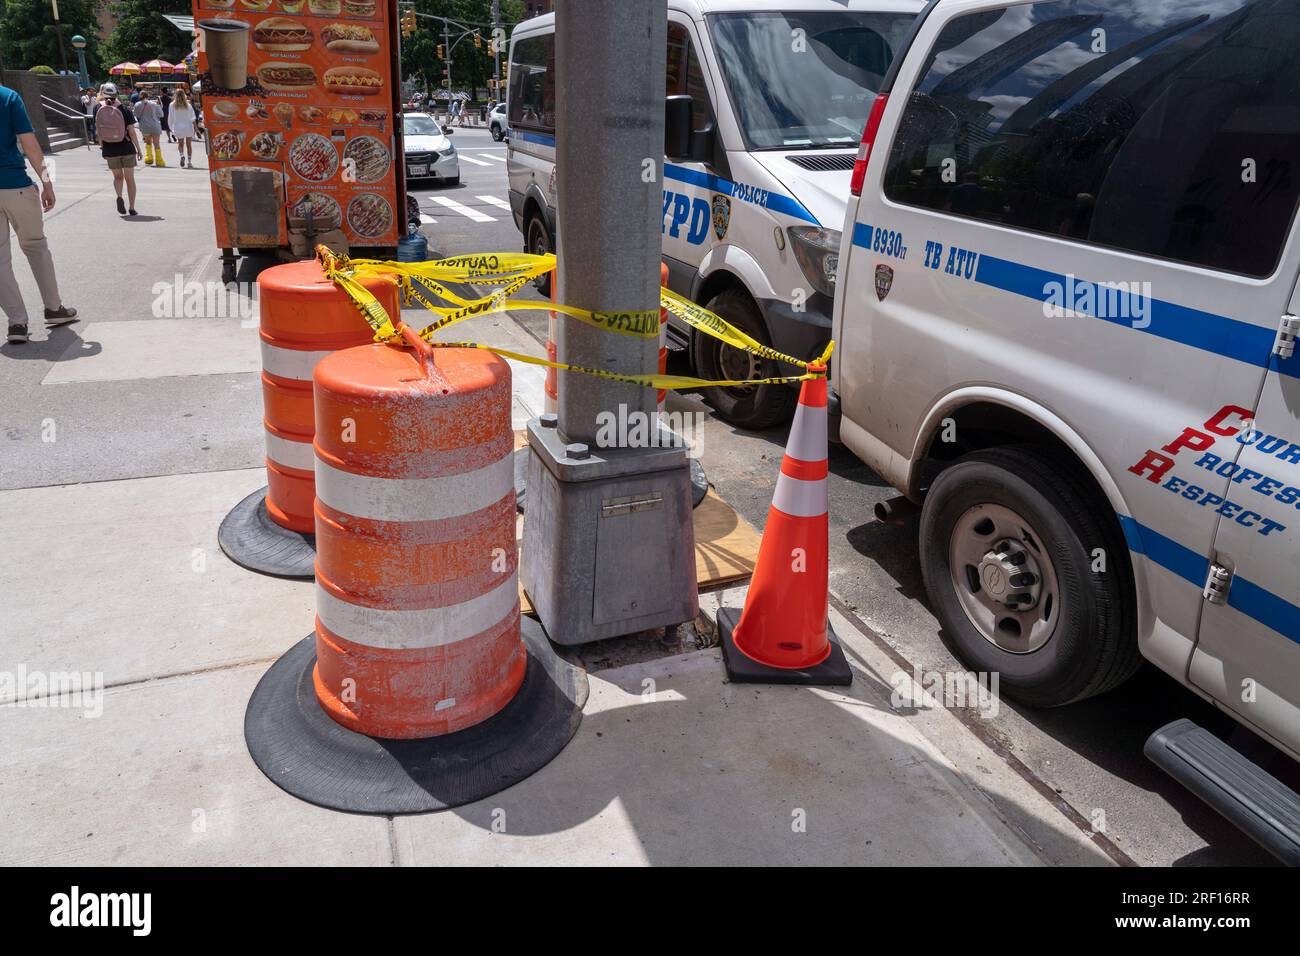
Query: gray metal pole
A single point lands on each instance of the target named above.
(609, 140)
(496, 54)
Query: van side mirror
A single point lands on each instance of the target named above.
(678, 110)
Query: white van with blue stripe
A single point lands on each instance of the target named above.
(766, 104)
(1066, 316)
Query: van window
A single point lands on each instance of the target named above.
(686, 76)
(1167, 129)
(805, 79)
(532, 83)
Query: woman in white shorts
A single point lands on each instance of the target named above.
(182, 124)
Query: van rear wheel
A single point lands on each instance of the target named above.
(538, 242)
(1027, 577)
(745, 406)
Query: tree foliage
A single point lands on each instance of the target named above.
(142, 34)
(471, 67)
(28, 37)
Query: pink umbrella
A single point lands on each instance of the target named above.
(181, 68)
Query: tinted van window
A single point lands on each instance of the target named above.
(532, 83)
(1168, 129)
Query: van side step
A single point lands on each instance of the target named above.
(1253, 800)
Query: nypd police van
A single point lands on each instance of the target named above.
(1066, 315)
(766, 104)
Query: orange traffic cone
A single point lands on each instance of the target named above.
(783, 635)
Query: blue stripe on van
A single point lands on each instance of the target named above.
(1244, 596)
(541, 139)
(1217, 334)
(776, 202)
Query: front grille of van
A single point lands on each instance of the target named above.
(825, 164)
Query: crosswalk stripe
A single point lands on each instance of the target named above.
(494, 200)
(469, 159)
(499, 159)
(463, 210)
(427, 219)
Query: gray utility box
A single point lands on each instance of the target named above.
(609, 547)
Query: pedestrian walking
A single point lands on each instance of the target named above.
(165, 102)
(149, 115)
(119, 143)
(23, 207)
(88, 108)
(183, 120)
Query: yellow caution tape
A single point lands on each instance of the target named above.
(511, 271)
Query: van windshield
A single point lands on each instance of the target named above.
(805, 80)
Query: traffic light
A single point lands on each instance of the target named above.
(492, 47)
(440, 56)
(408, 22)
(478, 42)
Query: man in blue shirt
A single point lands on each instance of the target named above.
(22, 206)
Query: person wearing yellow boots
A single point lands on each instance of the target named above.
(149, 115)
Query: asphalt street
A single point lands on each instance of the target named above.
(1089, 756)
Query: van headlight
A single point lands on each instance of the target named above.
(818, 253)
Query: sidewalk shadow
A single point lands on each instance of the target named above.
(698, 788)
(62, 345)
(139, 218)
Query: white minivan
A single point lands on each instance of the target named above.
(766, 103)
(1066, 321)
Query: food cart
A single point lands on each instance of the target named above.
(300, 99)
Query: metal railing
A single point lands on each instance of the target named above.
(74, 122)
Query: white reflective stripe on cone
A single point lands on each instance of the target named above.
(431, 627)
(290, 363)
(807, 440)
(799, 498)
(290, 454)
(414, 499)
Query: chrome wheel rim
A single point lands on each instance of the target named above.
(1004, 578)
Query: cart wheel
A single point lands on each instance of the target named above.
(228, 272)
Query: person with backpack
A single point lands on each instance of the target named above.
(149, 115)
(119, 144)
(22, 207)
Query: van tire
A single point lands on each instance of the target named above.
(1093, 646)
(754, 407)
(497, 135)
(537, 241)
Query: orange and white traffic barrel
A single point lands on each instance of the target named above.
(304, 317)
(418, 637)
(783, 635)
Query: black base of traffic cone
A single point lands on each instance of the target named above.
(699, 481)
(304, 752)
(742, 669)
(252, 540)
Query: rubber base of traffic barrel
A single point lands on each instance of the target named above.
(699, 482)
(743, 669)
(252, 540)
(304, 752)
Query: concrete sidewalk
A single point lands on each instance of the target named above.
(130, 436)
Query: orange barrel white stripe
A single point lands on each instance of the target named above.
(417, 595)
(784, 621)
(304, 317)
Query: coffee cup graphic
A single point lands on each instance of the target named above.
(226, 43)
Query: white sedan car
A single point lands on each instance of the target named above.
(429, 150)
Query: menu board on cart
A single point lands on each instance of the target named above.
(298, 97)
